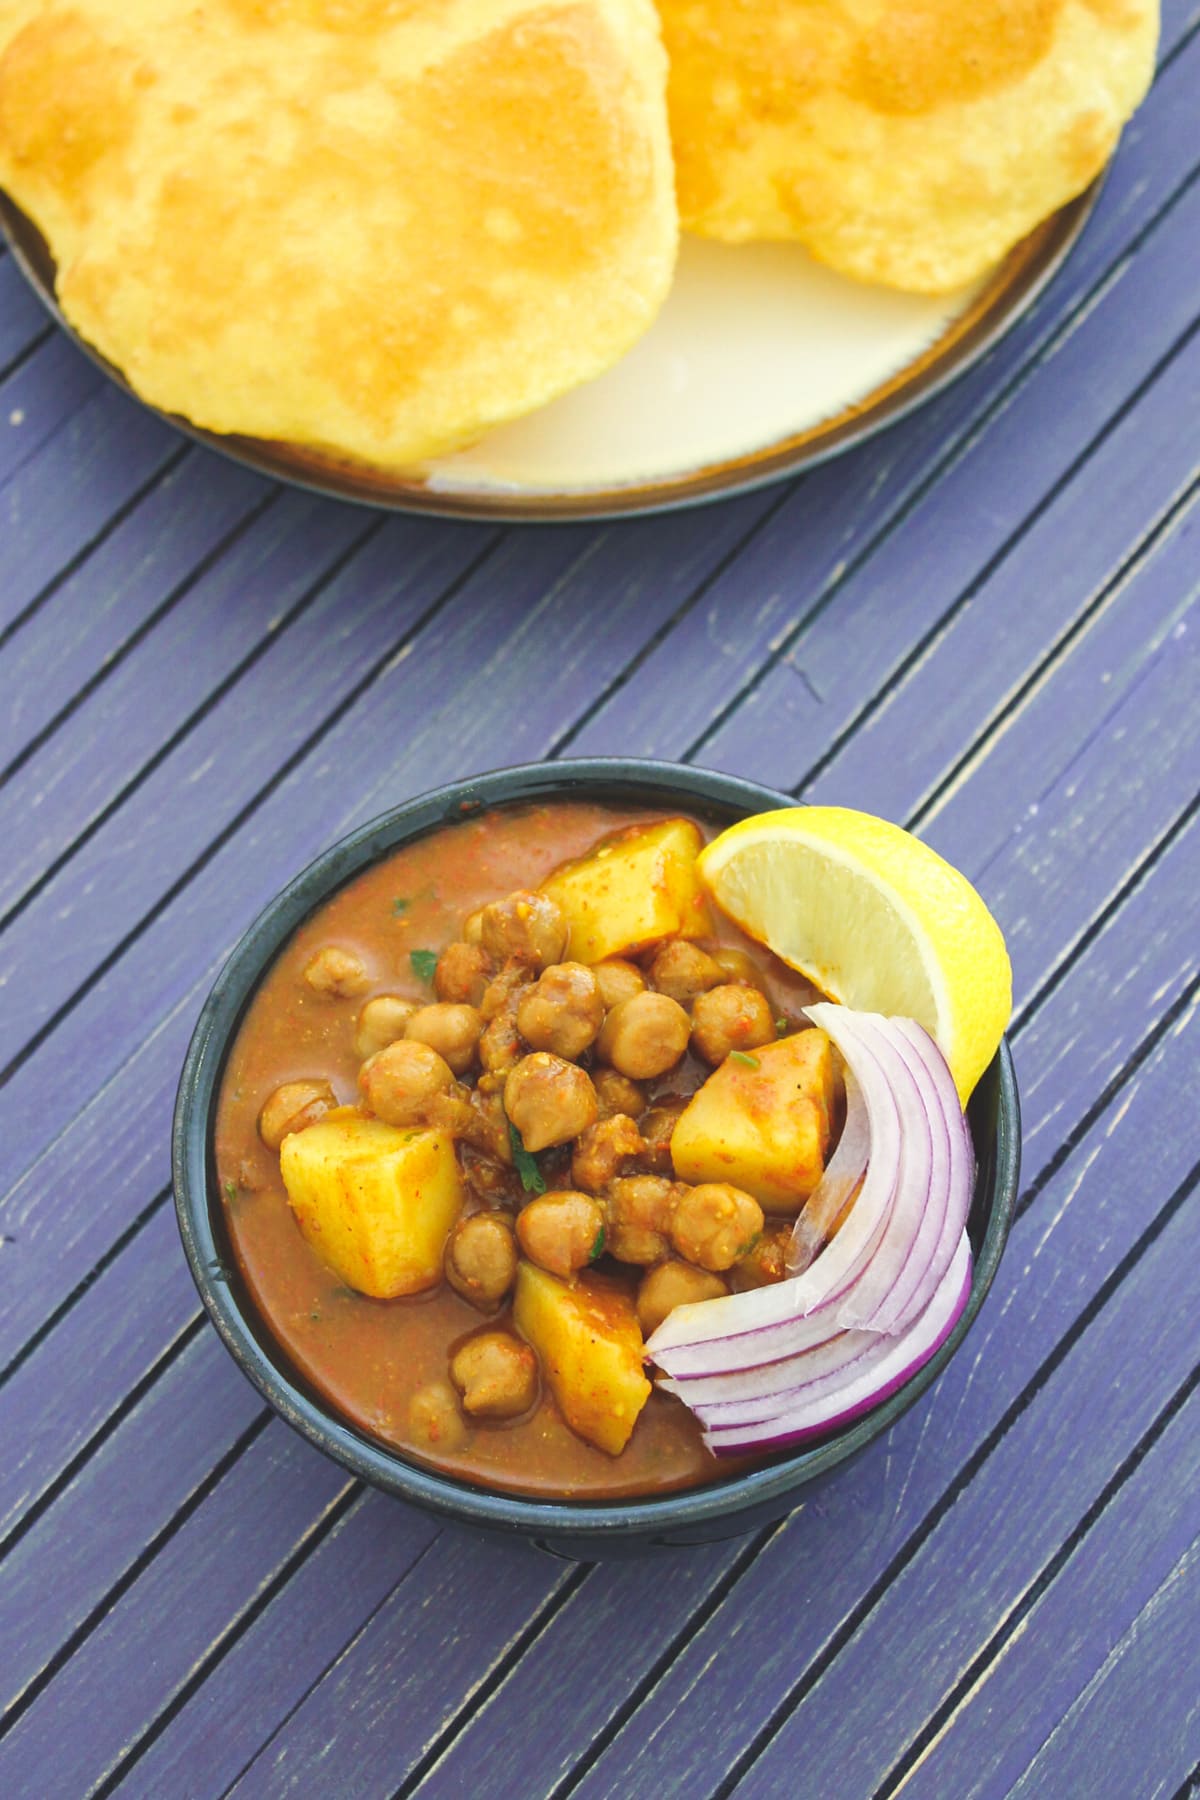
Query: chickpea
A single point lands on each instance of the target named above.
(617, 980)
(434, 1418)
(548, 1100)
(730, 1017)
(473, 927)
(488, 1130)
(496, 1374)
(337, 974)
(292, 1107)
(398, 1082)
(380, 1023)
(481, 1259)
(601, 1150)
(502, 994)
(639, 1217)
(617, 1094)
(500, 1047)
(563, 1010)
(673, 1284)
(644, 1036)
(493, 1183)
(766, 1263)
(462, 974)
(453, 1031)
(683, 970)
(561, 1232)
(715, 1225)
(526, 926)
(738, 966)
(657, 1127)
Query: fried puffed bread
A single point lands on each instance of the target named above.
(370, 227)
(907, 142)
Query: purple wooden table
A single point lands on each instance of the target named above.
(985, 624)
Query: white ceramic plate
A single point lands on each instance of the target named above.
(760, 364)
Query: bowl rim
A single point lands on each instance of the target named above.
(198, 1203)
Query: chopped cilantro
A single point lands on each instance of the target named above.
(424, 962)
(751, 1062)
(782, 1026)
(230, 1190)
(525, 1163)
(598, 1247)
(400, 905)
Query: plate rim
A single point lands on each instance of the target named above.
(1013, 289)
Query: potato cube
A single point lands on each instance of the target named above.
(590, 1344)
(375, 1201)
(762, 1122)
(631, 890)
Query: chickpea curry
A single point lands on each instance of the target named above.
(502, 1103)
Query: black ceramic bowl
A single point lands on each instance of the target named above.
(575, 1529)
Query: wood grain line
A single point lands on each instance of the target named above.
(113, 521)
(987, 1656)
(966, 1475)
(24, 353)
(172, 598)
(88, 1624)
(1139, 551)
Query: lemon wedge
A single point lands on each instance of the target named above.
(875, 918)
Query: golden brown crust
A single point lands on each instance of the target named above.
(910, 142)
(371, 228)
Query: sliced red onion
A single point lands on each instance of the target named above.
(759, 1393)
(836, 1185)
(886, 1366)
(914, 1195)
(904, 1307)
(844, 1257)
(776, 1365)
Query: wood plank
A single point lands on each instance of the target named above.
(103, 1521)
(839, 514)
(583, 1633)
(970, 679)
(942, 549)
(270, 1668)
(244, 601)
(72, 641)
(565, 644)
(22, 319)
(66, 496)
(1095, 1613)
(129, 1321)
(1151, 1675)
(446, 1608)
(189, 1598)
(45, 390)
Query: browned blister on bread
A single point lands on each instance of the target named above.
(908, 142)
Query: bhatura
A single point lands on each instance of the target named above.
(907, 142)
(372, 228)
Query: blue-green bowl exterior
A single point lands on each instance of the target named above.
(583, 1530)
